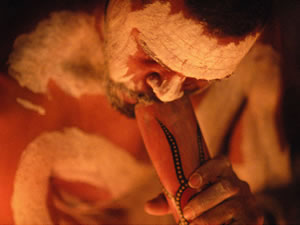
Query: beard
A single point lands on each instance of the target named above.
(115, 93)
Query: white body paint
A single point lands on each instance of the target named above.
(177, 42)
(74, 156)
(29, 105)
(65, 48)
(169, 90)
(257, 79)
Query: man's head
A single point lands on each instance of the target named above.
(162, 49)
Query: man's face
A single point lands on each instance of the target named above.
(155, 51)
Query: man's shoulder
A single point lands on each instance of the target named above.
(65, 48)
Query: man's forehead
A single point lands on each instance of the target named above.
(182, 43)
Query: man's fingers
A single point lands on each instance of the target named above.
(158, 206)
(209, 172)
(231, 211)
(222, 214)
(210, 198)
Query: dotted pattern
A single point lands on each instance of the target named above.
(179, 173)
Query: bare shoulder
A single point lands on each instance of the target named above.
(65, 47)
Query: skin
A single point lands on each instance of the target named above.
(144, 82)
(134, 52)
(226, 198)
(63, 111)
(222, 197)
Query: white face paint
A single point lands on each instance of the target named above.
(64, 48)
(168, 90)
(74, 156)
(179, 43)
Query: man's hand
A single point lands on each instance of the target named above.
(222, 197)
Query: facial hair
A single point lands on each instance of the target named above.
(115, 93)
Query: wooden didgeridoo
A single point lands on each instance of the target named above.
(176, 148)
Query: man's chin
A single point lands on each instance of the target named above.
(125, 100)
(124, 108)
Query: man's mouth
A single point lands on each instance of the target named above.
(124, 99)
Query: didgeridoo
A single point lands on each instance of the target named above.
(176, 147)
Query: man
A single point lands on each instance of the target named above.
(68, 164)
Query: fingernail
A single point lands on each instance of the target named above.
(189, 213)
(195, 181)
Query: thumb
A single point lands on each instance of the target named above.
(158, 206)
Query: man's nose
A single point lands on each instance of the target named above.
(166, 85)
